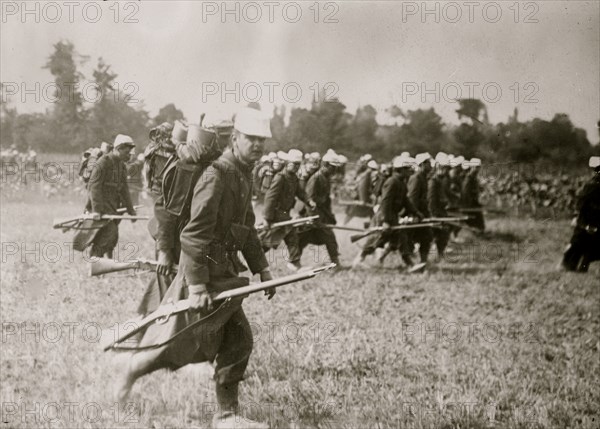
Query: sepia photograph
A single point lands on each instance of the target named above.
(300, 214)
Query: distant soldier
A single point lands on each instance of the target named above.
(437, 201)
(163, 141)
(385, 171)
(364, 193)
(311, 164)
(453, 187)
(470, 193)
(108, 191)
(394, 201)
(279, 201)
(585, 242)
(417, 194)
(268, 172)
(318, 189)
(135, 166)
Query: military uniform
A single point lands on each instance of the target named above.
(279, 201)
(156, 157)
(318, 189)
(436, 203)
(394, 200)
(470, 199)
(134, 180)
(585, 242)
(417, 194)
(108, 191)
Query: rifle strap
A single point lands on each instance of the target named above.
(173, 337)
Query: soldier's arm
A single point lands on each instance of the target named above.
(124, 191)
(95, 185)
(433, 196)
(200, 230)
(167, 227)
(387, 201)
(272, 197)
(413, 190)
(315, 189)
(252, 250)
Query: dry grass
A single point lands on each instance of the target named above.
(515, 345)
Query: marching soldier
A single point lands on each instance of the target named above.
(318, 190)
(437, 202)
(417, 194)
(470, 193)
(279, 201)
(394, 201)
(312, 162)
(108, 191)
(163, 140)
(134, 176)
(221, 224)
(585, 242)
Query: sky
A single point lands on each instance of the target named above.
(210, 57)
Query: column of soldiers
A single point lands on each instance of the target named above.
(202, 179)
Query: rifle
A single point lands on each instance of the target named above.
(446, 219)
(355, 238)
(291, 222)
(355, 203)
(343, 228)
(72, 223)
(106, 266)
(162, 313)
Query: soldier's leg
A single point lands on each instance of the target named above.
(292, 241)
(232, 360)
(331, 244)
(442, 237)
(105, 240)
(425, 239)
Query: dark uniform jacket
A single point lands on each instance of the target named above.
(108, 188)
(417, 191)
(394, 198)
(470, 191)
(221, 223)
(364, 186)
(588, 203)
(318, 189)
(436, 196)
(281, 196)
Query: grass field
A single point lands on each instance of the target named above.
(491, 336)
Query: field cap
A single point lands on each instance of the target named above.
(253, 122)
(122, 140)
(105, 147)
(372, 164)
(294, 155)
(442, 159)
(422, 157)
(595, 161)
(366, 157)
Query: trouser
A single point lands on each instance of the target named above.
(393, 241)
(442, 237)
(584, 249)
(320, 236)
(105, 240)
(476, 221)
(271, 240)
(423, 236)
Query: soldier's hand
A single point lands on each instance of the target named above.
(265, 276)
(96, 216)
(165, 261)
(385, 226)
(266, 225)
(132, 213)
(312, 205)
(199, 298)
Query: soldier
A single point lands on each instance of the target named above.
(267, 173)
(318, 189)
(279, 201)
(394, 201)
(417, 194)
(108, 191)
(221, 224)
(585, 242)
(385, 171)
(470, 193)
(437, 202)
(364, 190)
(312, 162)
(163, 140)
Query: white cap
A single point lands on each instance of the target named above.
(372, 164)
(403, 161)
(121, 140)
(457, 161)
(342, 159)
(332, 158)
(264, 158)
(294, 155)
(253, 122)
(442, 159)
(271, 156)
(595, 161)
(405, 154)
(366, 157)
(422, 157)
(474, 162)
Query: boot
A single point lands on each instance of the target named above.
(358, 261)
(228, 416)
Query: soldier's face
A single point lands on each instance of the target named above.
(249, 149)
(123, 152)
(293, 167)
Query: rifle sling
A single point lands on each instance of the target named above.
(172, 338)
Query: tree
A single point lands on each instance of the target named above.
(168, 113)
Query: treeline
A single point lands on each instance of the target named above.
(74, 124)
